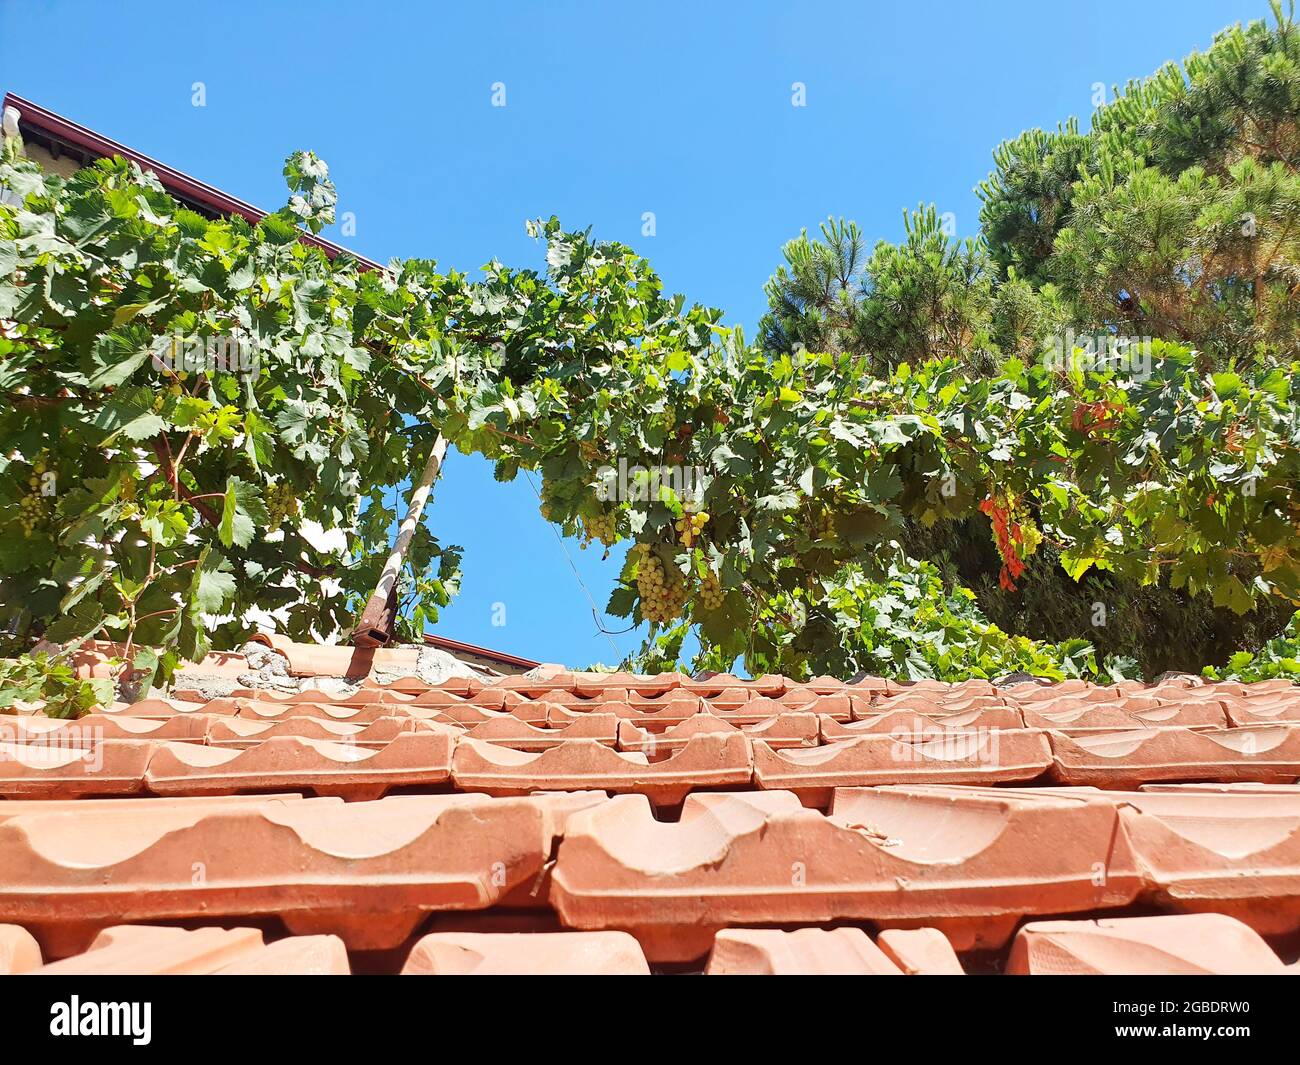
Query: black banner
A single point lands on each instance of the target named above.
(376, 1014)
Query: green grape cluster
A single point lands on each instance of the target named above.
(711, 593)
(689, 527)
(552, 509)
(31, 513)
(662, 595)
(824, 528)
(603, 527)
(32, 508)
(281, 502)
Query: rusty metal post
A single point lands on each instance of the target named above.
(376, 625)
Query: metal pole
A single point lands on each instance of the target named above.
(376, 625)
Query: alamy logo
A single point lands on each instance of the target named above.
(1100, 351)
(75, 744)
(229, 353)
(642, 484)
(79, 1018)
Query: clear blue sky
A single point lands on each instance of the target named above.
(612, 110)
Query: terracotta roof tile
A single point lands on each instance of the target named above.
(934, 704)
(779, 732)
(574, 822)
(740, 857)
(756, 710)
(1265, 753)
(19, 952)
(526, 954)
(510, 731)
(261, 710)
(1128, 713)
(325, 767)
(970, 756)
(157, 951)
(802, 952)
(1261, 709)
(706, 760)
(126, 950)
(155, 708)
(249, 732)
(920, 951)
(293, 956)
(1199, 945)
(719, 683)
(54, 770)
(366, 871)
(659, 715)
(1233, 853)
(63, 732)
(842, 705)
(594, 685)
(101, 808)
(908, 722)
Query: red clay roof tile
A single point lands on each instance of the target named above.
(126, 949)
(778, 732)
(802, 952)
(1233, 853)
(920, 951)
(971, 756)
(719, 683)
(19, 952)
(367, 871)
(84, 731)
(1264, 753)
(706, 760)
(324, 766)
(519, 735)
(1261, 709)
(738, 858)
(938, 814)
(906, 722)
(1129, 713)
(248, 732)
(595, 685)
(1201, 944)
(56, 770)
(161, 951)
(936, 705)
(293, 956)
(526, 954)
(759, 709)
(656, 716)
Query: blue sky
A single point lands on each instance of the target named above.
(612, 110)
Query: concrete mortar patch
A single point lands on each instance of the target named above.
(436, 666)
(208, 685)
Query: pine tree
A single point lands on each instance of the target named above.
(1175, 216)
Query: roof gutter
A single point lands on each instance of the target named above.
(34, 117)
(482, 652)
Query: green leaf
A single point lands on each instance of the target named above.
(81, 590)
(114, 360)
(1231, 593)
(242, 511)
(127, 311)
(1076, 564)
(130, 414)
(213, 584)
(164, 522)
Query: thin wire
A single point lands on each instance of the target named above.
(595, 612)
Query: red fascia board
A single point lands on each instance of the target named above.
(482, 652)
(174, 181)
